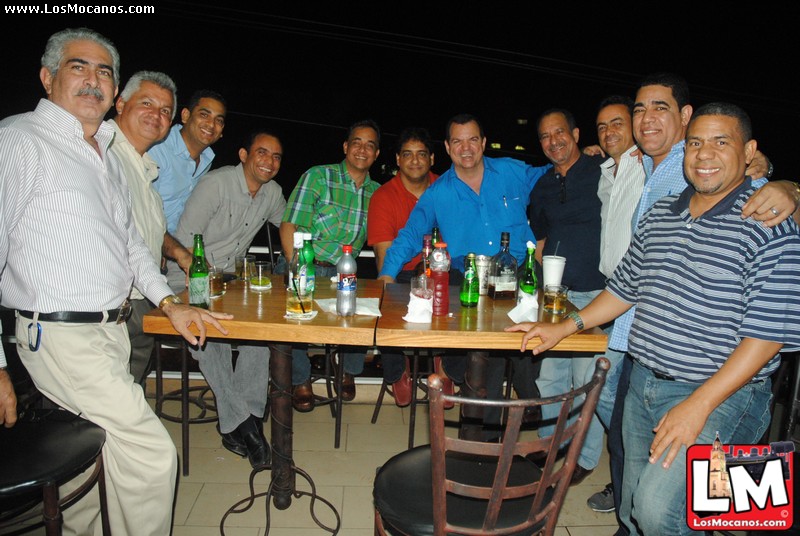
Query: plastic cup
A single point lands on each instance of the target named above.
(552, 269)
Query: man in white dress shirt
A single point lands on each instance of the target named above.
(145, 109)
(69, 255)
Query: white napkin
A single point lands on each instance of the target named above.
(364, 306)
(420, 310)
(527, 310)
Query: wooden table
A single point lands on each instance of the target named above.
(475, 329)
(259, 316)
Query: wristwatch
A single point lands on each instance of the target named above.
(172, 298)
(770, 170)
(577, 319)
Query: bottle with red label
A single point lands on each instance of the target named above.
(440, 275)
(347, 283)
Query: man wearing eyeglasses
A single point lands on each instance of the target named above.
(565, 218)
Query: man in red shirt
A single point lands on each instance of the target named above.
(389, 209)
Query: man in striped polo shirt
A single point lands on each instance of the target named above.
(717, 298)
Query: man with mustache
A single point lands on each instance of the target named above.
(64, 204)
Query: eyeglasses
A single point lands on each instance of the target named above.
(563, 193)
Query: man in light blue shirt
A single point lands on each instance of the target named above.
(186, 154)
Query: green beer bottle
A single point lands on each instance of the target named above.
(198, 275)
(527, 280)
(470, 286)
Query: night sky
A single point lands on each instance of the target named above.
(308, 74)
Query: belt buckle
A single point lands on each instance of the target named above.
(124, 311)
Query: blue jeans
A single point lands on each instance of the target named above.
(654, 498)
(605, 404)
(560, 374)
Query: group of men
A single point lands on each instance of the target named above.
(142, 190)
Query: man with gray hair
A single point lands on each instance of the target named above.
(145, 109)
(69, 256)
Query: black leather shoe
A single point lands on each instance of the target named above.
(257, 448)
(579, 475)
(233, 442)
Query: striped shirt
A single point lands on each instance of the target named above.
(327, 203)
(67, 238)
(619, 191)
(702, 285)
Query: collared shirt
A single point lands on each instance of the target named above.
(619, 191)
(389, 208)
(222, 210)
(146, 207)
(67, 238)
(666, 179)
(703, 284)
(328, 204)
(565, 210)
(467, 221)
(178, 174)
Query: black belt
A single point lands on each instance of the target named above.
(324, 264)
(80, 317)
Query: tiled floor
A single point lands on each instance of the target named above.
(344, 476)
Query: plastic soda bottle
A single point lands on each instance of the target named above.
(308, 254)
(347, 283)
(198, 275)
(440, 276)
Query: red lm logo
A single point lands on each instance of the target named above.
(740, 487)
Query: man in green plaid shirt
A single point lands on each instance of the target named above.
(331, 203)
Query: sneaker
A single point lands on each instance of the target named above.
(602, 501)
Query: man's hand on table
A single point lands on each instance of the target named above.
(183, 316)
(386, 279)
(550, 334)
(8, 400)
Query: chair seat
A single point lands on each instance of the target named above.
(404, 496)
(50, 447)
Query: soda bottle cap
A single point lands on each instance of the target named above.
(347, 248)
(530, 245)
(306, 236)
(440, 245)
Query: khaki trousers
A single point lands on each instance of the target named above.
(84, 368)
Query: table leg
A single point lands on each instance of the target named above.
(474, 387)
(283, 476)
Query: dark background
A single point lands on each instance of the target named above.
(309, 73)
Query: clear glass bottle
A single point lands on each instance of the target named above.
(198, 275)
(503, 273)
(424, 265)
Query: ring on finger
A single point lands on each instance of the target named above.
(775, 212)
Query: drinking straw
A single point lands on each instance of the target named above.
(556, 251)
(296, 293)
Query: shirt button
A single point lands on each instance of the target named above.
(490, 242)
(688, 225)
